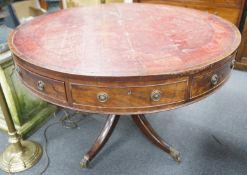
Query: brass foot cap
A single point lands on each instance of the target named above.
(175, 155)
(84, 163)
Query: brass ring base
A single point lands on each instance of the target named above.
(12, 160)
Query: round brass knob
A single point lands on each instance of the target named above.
(102, 97)
(40, 85)
(214, 79)
(156, 95)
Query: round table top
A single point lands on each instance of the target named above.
(121, 40)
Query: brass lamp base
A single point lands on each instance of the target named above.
(12, 160)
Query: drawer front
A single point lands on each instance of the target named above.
(46, 87)
(208, 81)
(129, 97)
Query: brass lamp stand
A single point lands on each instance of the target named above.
(19, 155)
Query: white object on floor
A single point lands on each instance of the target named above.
(128, 1)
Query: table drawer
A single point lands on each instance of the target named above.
(209, 80)
(49, 88)
(129, 97)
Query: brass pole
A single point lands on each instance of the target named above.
(19, 155)
(10, 124)
(64, 4)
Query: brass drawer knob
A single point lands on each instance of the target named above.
(214, 79)
(40, 85)
(156, 95)
(102, 97)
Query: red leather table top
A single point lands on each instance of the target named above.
(125, 40)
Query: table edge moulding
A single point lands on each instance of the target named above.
(133, 94)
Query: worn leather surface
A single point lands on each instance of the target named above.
(125, 40)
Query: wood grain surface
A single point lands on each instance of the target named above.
(125, 58)
(231, 10)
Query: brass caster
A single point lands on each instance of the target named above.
(84, 162)
(175, 155)
(13, 160)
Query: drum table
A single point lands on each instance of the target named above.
(125, 59)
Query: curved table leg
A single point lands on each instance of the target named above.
(101, 140)
(146, 128)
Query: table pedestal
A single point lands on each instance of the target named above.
(143, 124)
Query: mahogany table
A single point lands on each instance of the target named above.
(125, 59)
